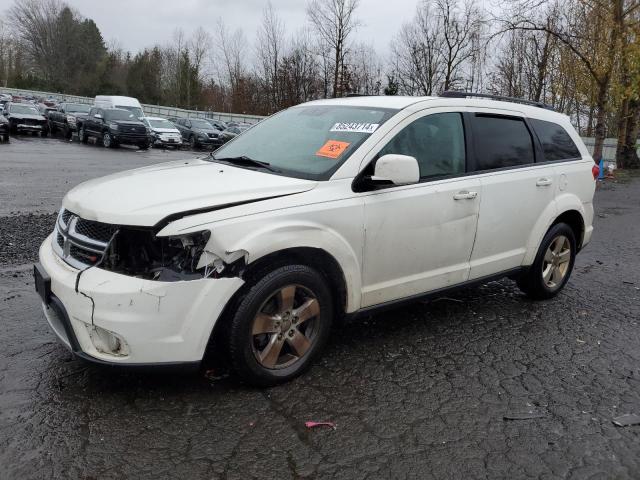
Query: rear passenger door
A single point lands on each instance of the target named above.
(517, 187)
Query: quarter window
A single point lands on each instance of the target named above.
(501, 142)
(556, 142)
(436, 141)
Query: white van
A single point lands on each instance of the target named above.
(112, 101)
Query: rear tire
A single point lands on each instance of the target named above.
(279, 325)
(552, 266)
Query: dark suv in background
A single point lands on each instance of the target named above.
(199, 133)
(113, 126)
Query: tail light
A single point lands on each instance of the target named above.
(595, 170)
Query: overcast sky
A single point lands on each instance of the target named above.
(135, 24)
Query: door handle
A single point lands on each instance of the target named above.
(544, 182)
(465, 195)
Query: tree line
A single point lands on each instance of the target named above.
(581, 57)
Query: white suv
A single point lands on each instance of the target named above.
(330, 208)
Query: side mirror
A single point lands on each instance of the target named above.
(97, 115)
(397, 169)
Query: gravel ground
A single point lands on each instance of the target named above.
(480, 384)
(21, 236)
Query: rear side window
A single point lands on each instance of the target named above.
(501, 142)
(556, 142)
(436, 141)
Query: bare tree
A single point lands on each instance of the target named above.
(270, 49)
(457, 24)
(334, 21)
(35, 24)
(592, 30)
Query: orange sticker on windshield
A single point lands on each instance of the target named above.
(332, 149)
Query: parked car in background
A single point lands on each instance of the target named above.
(112, 127)
(233, 131)
(44, 109)
(163, 132)
(4, 128)
(25, 118)
(217, 124)
(198, 133)
(64, 117)
(124, 103)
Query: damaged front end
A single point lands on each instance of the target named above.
(139, 252)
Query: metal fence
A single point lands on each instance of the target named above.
(150, 110)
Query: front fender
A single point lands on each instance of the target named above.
(282, 236)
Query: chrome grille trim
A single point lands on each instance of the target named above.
(73, 247)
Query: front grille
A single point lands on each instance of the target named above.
(95, 230)
(66, 215)
(84, 256)
(81, 243)
(31, 121)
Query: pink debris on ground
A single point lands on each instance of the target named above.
(320, 424)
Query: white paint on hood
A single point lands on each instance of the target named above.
(145, 196)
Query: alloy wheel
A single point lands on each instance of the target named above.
(106, 140)
(555, 264)
(285, 327)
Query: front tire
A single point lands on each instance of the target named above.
(553, 264)
(107, 140)
(279, 325)
(193, 142)
(82, 135)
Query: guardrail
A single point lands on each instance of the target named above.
(150, 110)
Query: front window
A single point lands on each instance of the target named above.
(436, 141)
(201, 124)
(77, 108)
(137, 111)
(113, 115)
(24, 109)
(308, 141)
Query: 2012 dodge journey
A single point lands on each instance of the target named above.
(365, 201)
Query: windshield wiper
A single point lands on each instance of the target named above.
(244, 160)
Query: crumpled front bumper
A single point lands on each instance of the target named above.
(160, 322)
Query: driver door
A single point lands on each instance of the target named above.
(419, 238)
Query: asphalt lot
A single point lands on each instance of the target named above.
(417, 392)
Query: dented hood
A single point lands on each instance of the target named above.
(145, 196)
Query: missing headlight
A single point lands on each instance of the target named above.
(140, 253)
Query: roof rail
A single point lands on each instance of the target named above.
(460, 94)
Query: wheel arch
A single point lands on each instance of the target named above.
(567, 211)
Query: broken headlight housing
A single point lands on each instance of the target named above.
(141, 253)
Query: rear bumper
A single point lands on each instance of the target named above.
(159, 323)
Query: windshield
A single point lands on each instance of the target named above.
(201, 124)
(119, 115)
(137, 111)
(307, 142)
(24, 109)
(161, 124)
(77, 107)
